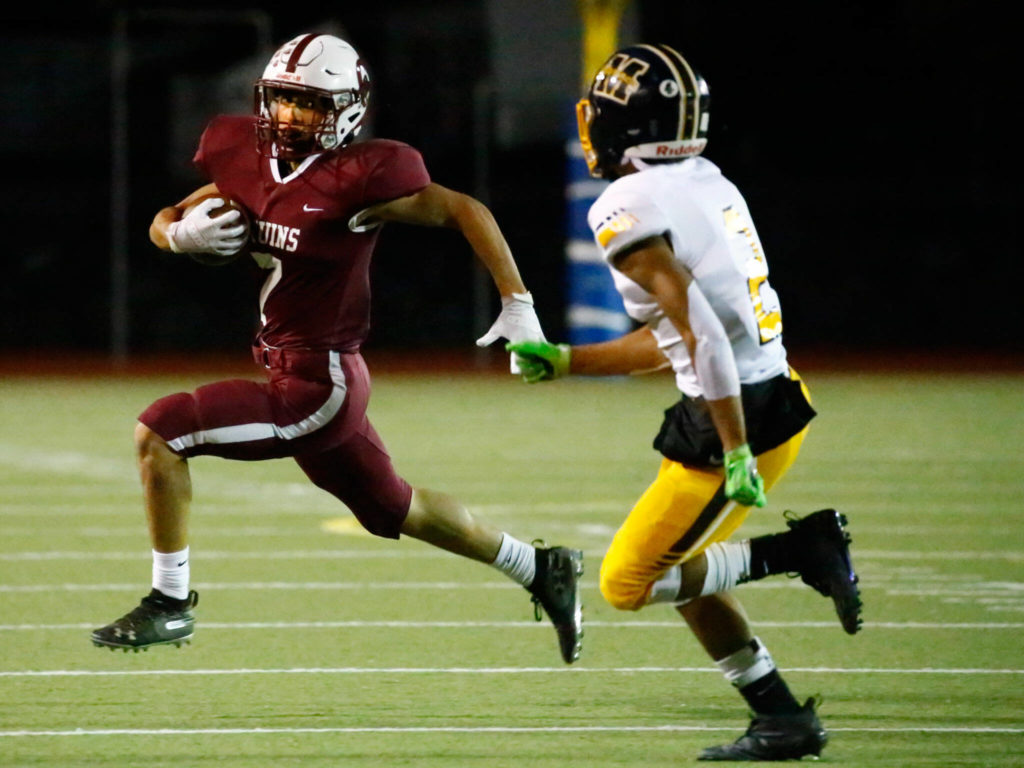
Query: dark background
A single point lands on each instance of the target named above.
(876, 145)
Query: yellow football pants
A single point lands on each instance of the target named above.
(682, 512)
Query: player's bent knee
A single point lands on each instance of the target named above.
(620, 592)
(147, 442)
(151, 449)
(172, 415)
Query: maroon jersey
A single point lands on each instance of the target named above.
(317, 292)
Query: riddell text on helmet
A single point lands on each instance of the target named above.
(664, 150)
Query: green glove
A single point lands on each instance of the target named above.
(742, 483)
(540, 360)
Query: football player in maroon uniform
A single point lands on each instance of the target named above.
(317, 200)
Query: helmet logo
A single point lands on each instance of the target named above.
(668, 88)
(619, 79)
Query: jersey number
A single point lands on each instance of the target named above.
(762, 295)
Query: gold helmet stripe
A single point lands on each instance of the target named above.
(684, 100)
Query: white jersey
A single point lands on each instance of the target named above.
(707, 223)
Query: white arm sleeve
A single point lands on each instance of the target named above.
(713, 362)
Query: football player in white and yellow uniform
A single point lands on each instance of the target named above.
(687, 260)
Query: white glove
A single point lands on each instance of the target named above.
(198, 232)
(517, 322)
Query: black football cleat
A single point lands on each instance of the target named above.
(822, 546)
(556, 589)
(775, 738)
(157, 620)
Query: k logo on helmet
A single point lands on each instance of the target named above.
(619, 78)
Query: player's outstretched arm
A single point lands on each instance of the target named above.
(632, 354)
(438, 206)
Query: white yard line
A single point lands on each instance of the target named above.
(271, 585)
(403, 624)
(276, 499)
(65, 463)
(404, 552)
(976, 592)
(138, 532)
(60, 673)
(398, 553)
(485, 729)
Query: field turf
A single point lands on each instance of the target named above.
(318, 645)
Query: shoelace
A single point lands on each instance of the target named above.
(149, 607)
(140, 613)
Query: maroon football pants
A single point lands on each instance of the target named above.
(312, 408)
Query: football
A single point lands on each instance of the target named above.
(215, 259)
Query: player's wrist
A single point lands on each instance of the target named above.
(522, 298)
(170, 234)
(740, 453)
(742, 482)
(541, 360)
(562, 360)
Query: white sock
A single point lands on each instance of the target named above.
(171, 573)
(666, 589)
(516, 559)
(750, 663)
(728, 565)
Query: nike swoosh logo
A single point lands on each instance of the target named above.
(307, 209)
(182, 563)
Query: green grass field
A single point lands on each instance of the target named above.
(318, 645)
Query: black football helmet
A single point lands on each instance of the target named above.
(647, 103)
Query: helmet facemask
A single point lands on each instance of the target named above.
(584, 117)
(334, 123)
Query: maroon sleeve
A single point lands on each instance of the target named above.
(398, 172)
(220, 144)
(200, 158)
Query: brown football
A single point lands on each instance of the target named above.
(214, 259)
